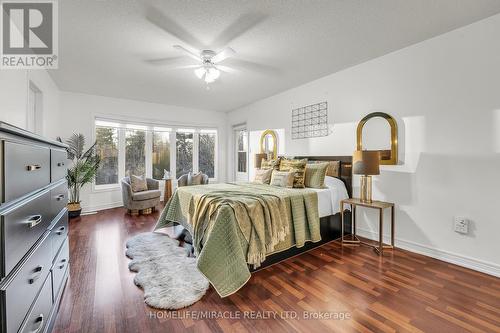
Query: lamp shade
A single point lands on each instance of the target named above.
(258, 159)
(366, 162)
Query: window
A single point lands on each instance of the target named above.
(141, 149)
(107, 149)
(184, 156)
(135, 157)
(242, 150)
(206, 152)
(161, 153)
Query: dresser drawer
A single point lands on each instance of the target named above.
(40, 312)
(23, 225)
(59, 233)
(58, 164)
(26, 169)
(21, 291)
(59, 269)
(58, 199)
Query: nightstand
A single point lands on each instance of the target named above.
(380, 205)
(167, 191)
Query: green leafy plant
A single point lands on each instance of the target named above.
(84, 167)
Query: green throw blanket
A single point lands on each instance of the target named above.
(237, 224)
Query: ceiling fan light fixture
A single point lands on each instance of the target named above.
(208, 74)
(200, 72)
(212, 74)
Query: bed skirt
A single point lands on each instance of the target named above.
(330, 230)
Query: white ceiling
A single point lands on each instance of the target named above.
(105, 45)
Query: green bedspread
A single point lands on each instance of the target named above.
(237, 224)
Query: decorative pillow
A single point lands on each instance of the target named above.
(271, 164)
(263, 176)
(138, 183)
(282, 178)
(296, 166)
(315, 175)
(195, 179)
(333, 168)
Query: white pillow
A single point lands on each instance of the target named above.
(338, 190)
(333, 182)
(282, 178)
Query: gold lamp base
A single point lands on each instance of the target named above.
(366, 189)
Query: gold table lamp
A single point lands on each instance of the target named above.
(366, 163)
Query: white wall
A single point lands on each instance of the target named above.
(445, 95)
(78, 114)
(14, 98)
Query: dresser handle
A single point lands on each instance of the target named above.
(38, 270)
(60, 230)
(60, 164)
(40, 326)
(33, 167)
(34, 220)
(63, 264)
(60, 197)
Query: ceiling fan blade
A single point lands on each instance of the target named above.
(188, 53)
(244, 23)
(254, 67)
(224, 54)
(167, 61)
(169, 68)
(226, 69)
(155, 16)
(171, 63)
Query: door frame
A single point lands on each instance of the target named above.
(241, 176)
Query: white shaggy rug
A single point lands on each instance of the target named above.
(169, 277)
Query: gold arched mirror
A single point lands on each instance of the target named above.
(368, 136)
(269, 143)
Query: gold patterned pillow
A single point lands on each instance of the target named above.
(333, 168)
(263, 176)
(282, 178)
(296, 166)
(315, 175)
(271, 164)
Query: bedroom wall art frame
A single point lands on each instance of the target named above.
(387, 157)
(310, 121)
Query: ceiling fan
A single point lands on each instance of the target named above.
(208, 62)
(209, 67)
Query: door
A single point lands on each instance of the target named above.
(241, 153)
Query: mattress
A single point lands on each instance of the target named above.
(329, 197)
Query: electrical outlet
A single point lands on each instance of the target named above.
(461, 225)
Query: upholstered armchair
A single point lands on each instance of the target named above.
(143, 202)
(184, 180)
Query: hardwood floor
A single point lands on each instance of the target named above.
(403, 292)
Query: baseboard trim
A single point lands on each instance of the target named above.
(95, 208)
(452, 258)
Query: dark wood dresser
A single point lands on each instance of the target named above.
(34, 252)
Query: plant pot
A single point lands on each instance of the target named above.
(74, 209)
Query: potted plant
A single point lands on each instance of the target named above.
(82, 171)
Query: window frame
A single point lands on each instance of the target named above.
(105, 187)
(123, 125)
(216, 143)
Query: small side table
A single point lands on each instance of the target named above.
(380, 205)
(167, 191)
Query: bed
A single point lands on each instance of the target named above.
(238, 227)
